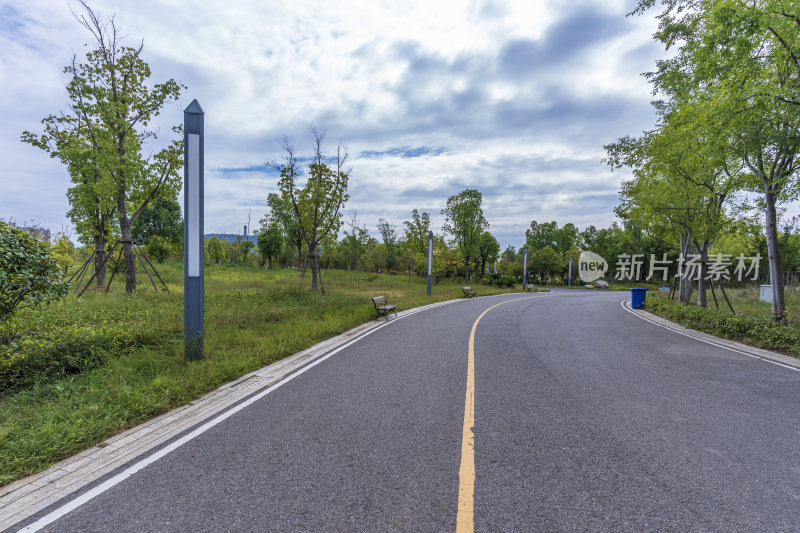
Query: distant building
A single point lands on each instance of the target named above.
(42, 233)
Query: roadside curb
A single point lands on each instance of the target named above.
(746, 349)
(28, 496)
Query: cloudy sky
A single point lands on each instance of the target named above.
(515, 99)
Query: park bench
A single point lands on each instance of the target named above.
(468, 292)
(382, 307)
(530, 288)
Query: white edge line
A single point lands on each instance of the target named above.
(625, 307)
(131, 470)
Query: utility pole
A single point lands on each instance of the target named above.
(525, 270)
(430, 262)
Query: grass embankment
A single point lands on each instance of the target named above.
(100, 364)
(751, 324)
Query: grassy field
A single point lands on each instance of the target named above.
(121, 357)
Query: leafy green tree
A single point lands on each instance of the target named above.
(246, 247)
(29, 275)
(488, 249)
(270, 242)
(354, 243)
(464, 220)
(162, 218)
(744, 56)
(113, 107)
(389, 241)
(546, 263)
(215, 249)
(416, 232)
(282, 211)
(316, 206)
(159, 248)
(62, 251)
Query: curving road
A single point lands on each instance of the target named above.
(586, 418)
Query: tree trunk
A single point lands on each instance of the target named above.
(686, 285)
(466, 270)
(312, 260)
(775, 274)
(99, 258)
(127, 251)
(702, 298)
(300, 255)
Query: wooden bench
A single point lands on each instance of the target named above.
(383, 308)
(530, 288)
(468, 292)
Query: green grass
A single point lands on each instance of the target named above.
(130, 366)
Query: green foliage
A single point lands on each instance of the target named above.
(546, 263)
(315, 207)
(417, 230)
(29, 275)
(464, 220)
(757, 331)
(215, 249)
(62, 251)
(102, 138)
(505, 281)
(270, 242)
(162, 218)
(38, 347)
(159, 248)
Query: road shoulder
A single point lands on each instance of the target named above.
(745, 349)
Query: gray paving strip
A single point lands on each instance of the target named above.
(28, 496)
(744, 349)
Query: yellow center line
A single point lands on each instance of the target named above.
(466, 472)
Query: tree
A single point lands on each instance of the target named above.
(215, 249)
(112, 108)
(417, 230)
(62, 249)
(316, 206)
(354, 243)
(488, 249)
(744, 55)
(389, 240)
(546, 263)
(282, 211)
(159, 248)
(29, 275)
(162, 218)
(464, 220)
(270, 242)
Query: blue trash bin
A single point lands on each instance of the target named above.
(637, 297)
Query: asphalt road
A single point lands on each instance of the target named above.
(587, 418)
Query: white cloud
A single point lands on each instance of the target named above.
(525, 125)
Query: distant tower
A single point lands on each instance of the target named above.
(245, 232)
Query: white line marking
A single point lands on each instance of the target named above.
(131, 470)
(625, 307)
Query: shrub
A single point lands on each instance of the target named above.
(29, 276)
(159, 248)
(506, 281)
